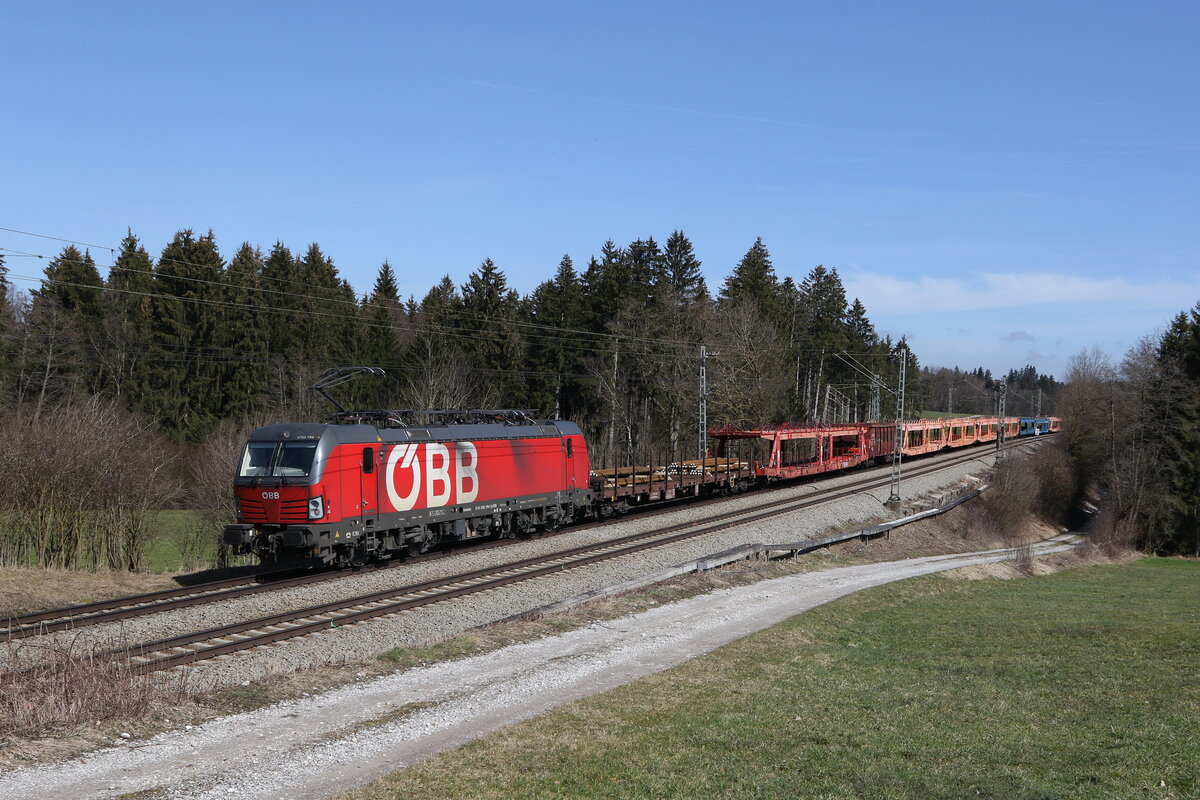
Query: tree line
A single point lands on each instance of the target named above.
(1027, 392)
(1133, 431)
(192, 341)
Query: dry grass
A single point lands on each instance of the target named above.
(1081, 556)
(25, 590)
(64, 690)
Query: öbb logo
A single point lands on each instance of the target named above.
(407, 464)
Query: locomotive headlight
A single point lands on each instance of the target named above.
(316, 508)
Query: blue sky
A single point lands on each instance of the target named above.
(1003, 183)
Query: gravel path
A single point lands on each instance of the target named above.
(316, 747)
(422, 626)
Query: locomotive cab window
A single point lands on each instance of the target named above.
(256, 460)
(270, 459)
(295, 460)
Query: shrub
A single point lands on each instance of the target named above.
(82, 486)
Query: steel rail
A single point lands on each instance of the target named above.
(138, 605)
(68, 616)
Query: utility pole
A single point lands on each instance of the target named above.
(1038, 411)
(950, 401)
(702, 432)
(612, 415)
(896, 452)
(1001, 389)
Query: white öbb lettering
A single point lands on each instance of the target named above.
(413, 466)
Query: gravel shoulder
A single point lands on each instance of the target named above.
(316, 747)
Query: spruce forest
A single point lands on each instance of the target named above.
(128, 387)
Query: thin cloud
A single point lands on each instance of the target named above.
(505, 86)
(882, 292)
(1017, 336)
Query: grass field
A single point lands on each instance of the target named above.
(184, 540)
(1083, 684)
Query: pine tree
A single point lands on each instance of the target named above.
(607, 284)
(1176, 412)
(644, 261)
(132, 274)
(73, 283)
(488, 313)
(243, 336)
(318, 285)
(3, 283)
(825, 300)
(386, 289)
(753, 280)
(282, 290)
(129, 312)
(65, 324)
(682, 270)
(8, 332)
(383, 319)
(555, 354)
(179, 381)
(861, 332)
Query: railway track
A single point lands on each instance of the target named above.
(138, 605)
(189, 648)
(124, 608)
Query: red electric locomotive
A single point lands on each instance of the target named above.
(375, 485)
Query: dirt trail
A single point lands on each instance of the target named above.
(316, 747)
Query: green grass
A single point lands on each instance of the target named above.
(1078, 685)
(182, 541)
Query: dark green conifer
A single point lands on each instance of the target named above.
(607, 285)
(129, 313)
(8, 330)
(861, 331)
(682, 270)
(555, 352)
(753, 280)
(489, 310)
(66, 321)
(243, 336)
(73, 283)
(386, 289)
(180, 379)
(646, 268)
